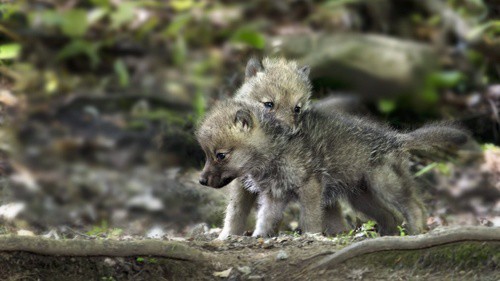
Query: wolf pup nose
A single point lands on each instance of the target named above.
(204, 181)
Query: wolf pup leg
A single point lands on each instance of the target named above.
(269, 215)
(374, 208)
(240, 204)
(311, 211)
(393, 184)
(333, 220)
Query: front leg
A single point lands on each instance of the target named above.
(311, 213)
(269, 215)
(240, 204)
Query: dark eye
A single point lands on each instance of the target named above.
(269, 104)
(297, 109)
(220, 156)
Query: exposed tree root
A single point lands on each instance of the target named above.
(433, 239)
(111, 248)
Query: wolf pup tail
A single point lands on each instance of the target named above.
(439, 140)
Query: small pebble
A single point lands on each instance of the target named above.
(282, 255)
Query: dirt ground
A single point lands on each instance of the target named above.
(287, 257)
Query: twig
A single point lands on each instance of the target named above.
(447, 236)
(104, 247)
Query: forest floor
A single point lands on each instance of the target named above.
(286, 257)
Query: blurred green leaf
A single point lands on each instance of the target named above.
(493, 26)
(176, 25)
(9, 51)
(199, 103)
(81, 47)
(8, 9)
(102, 3)
(181, 5)
(430, 94)
(426, 169)
(96, 14)
(249, 37)
(444, 169)
(446, 79)
(180, 51)
(122, 72)
(74, 23)
(49, 18)
(124, 14)
(386, 106)
(490, 146)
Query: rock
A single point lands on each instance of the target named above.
(156, 232)
(371, 65)
(246, 270)
(282, 255)
(199, 230)
(24, 232)
(10, 211)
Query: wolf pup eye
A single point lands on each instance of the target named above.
(220, 156)
(269, 105)
(296, 109)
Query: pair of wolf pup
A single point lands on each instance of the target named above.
(281, 150)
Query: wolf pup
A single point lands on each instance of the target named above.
(238, 144)
(282, 90)
(325, 158)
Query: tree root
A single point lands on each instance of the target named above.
(432, 239)
(111, 248)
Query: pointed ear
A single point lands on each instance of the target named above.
(253, 66)
(304, 72)
(243, 119)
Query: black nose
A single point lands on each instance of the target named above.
(203, 181)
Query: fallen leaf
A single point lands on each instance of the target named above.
(223, 274)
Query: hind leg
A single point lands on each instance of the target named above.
(333, 219)
(374, 208)
(394, 185)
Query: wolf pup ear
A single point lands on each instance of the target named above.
(253, 66)
(304, 72)
(243, 119)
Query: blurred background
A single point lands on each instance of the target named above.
(99, 100)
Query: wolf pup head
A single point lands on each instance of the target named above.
(229, 135)
(279, 87)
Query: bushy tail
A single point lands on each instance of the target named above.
(440, 140)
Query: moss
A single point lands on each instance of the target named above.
(465, 255)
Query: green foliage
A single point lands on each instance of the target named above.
(147, 260)
(122, 73)
(402, 231)
(490, 29)
(199, 104)
(180, 51)
(74, 23)
(81, 47)
(443, 168)
(104, 231)
(386, 106)
(182, 5)
(490, 146)
(368, 229)
(436, 81)
(9, 51)
(176, 25)
(124, 14)
(249, 37)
